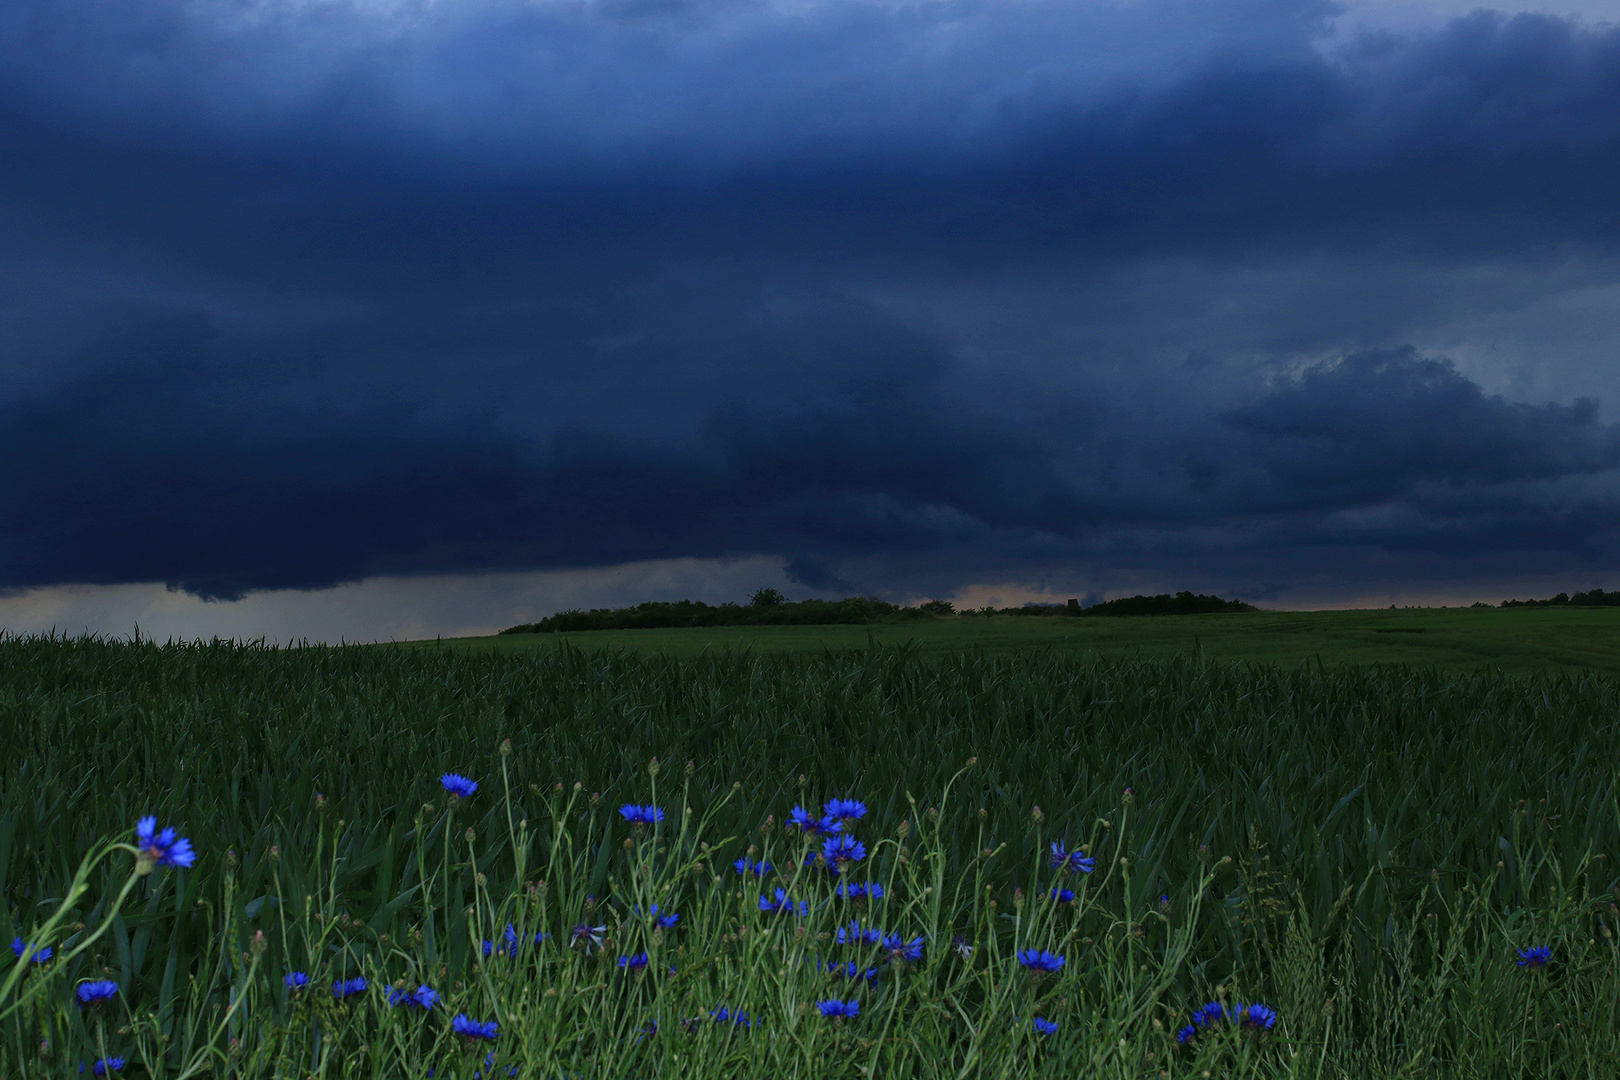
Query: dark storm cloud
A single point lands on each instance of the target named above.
(293, 295)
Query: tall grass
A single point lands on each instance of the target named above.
(1367, 851)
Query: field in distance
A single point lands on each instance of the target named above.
(1510, 639)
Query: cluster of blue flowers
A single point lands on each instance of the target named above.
(721, 1015)
(511, 942)
(154, 847)
(347, 988)
(424, 997)
(1257, 1018)
(641, 815)
(781, 903)
(474, 1030)
(664, 920)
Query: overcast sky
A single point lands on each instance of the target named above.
(384, 319)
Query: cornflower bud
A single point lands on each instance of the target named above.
(691, 769)
(652, 767)
(1037, 815)
(506, 748)
(470, 834)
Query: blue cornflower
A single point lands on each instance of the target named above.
(1259, 1017)
(423, 997)
(634, 963)
(471, 1029)
(758, 869)
(857, 892)
(899, 948)
(295, 980)
(1040, 960)
(1209, 1014)
(161, 848)
(586, 935)
(1164, 902)
(738, 1018)
(347, 987)
(838, 1010)
(641, 815)
(1070, 862)
(1061, 895)
(1535, 956)
(844, 811)
(94, 993)
(1186, 1034)
(663, 921)
(1045, 1027)
(852, 970)
(38, 954)
(458, 785)
(854, 934)
(808, 823)
(103, 1066)
(783, 904)
(512, 943)
(840, 851)
(962, 947)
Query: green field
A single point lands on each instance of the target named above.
(1370, 851)
(1508, 639)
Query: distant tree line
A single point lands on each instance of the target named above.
(1182, 603)
(768, 607)
(1595, 598)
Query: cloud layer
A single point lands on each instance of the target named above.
(908, 296)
